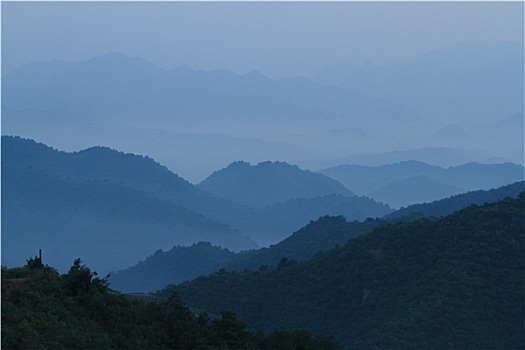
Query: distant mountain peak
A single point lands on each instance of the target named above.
(113, 55)
(255, 74)
(269, 182)
(238, 164)
(98, 148)
(277, 163)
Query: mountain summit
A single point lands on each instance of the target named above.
(269, 183)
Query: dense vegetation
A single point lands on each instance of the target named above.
(455, 282)
(184, 263)
(44, 310)
(173, 266)
(323, 234)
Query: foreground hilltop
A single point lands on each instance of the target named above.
(44, 310)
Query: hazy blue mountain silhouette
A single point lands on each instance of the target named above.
(449, 205)
(437, 156)
(514, 122)
(279, 220)
(323, 234)
(395, 180)
(461, 81)
(104, 164)
(185, 263)
(120, 87)
(101, 164)
(108, 225)
(327, 232)
(417, 189)
(269, 183)
(123, 102)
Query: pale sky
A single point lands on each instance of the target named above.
(277, 38)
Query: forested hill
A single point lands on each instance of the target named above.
(173, 266)
(455, 282)
(325, 233)
(44, 310)
(180, 264)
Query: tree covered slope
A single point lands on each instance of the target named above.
(44, 310)
(185, 263)
(172, 266)
(455, 282)
(323, 234)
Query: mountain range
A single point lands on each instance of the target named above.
(324, 234)
(141, 189)
(454, 282)
(138, 88)
(109, 225)
(468, 81)
(411, 182)
(128, 103)
(112, 195)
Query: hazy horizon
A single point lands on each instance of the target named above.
(279, 39)
(294, 120)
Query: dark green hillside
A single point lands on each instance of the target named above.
(184, 263)
(44, 310)
(455, 282)
(111, 225)
(173, 266)
(269, 183)
(323, 234)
